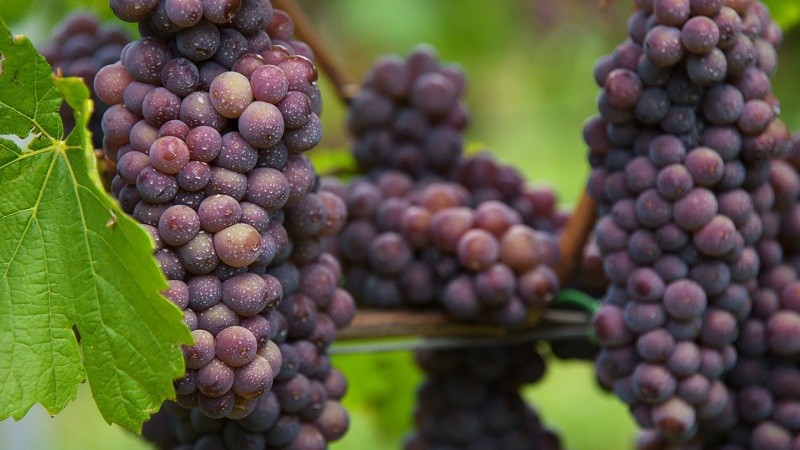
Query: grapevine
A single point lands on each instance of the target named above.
(183, 235)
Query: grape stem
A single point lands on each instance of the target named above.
(574, 237)
(574, 297)
(346, 85)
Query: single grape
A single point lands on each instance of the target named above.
(216, 319)
(178, 225)
(495, 285)
(205, 291)
(201, 352)
(237, 245)
(169, 154)
(218, 212)
(248, 294)
(261, 124)
(235, 346)
(230, 94)
(198, 255)
(268, 188)
(215, 378)
(198, 42)
(204, 143)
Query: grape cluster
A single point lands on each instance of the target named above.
(428, 244)
(471, 399)
(80, 48)
(427, 226)
(210, 112)
(681, 156)
(764, 405)
(765, 378)
(408, 115)
(430, 228)
(301, 408)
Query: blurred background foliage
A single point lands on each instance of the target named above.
(529, 64)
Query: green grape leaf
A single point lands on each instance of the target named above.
(72, 261)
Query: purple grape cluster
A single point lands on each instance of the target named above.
(80, 47)
(301, 408)
(428, 245)
(408, 116)
(764, 381)
(681, 155)
(763, 409)
(774, 325)
(430, 228)
(210, 112)
(398, 248)
(471, 399)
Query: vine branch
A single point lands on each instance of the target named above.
(384, 324)
(346, 85)
(412, 330)
(550, 334)
(574, 237)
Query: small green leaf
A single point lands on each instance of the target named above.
(70, 256)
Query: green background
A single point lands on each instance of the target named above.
(529, 64)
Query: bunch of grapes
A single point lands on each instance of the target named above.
(210, 112)
(764, 407)
(773, 327)
(428, 226)
(301, 409)
(765, 378)
(471, 399)
(428, 244)
(81, 46)
(408, 116)
(681, 156)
